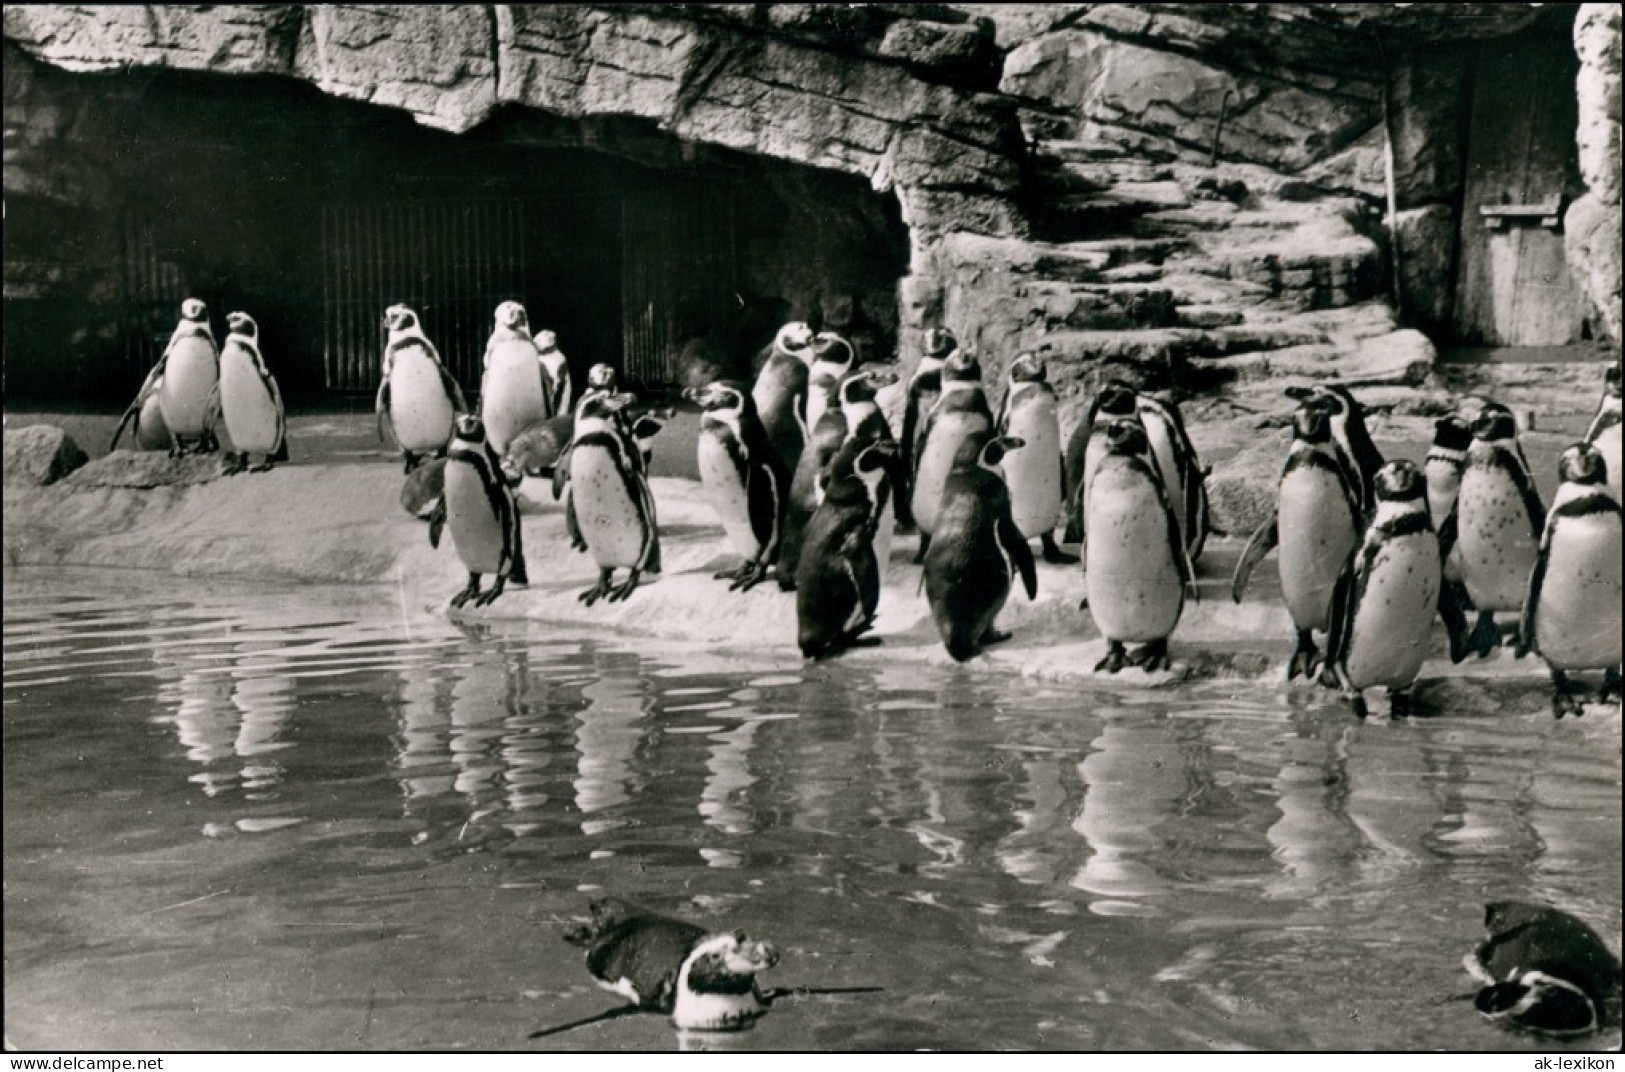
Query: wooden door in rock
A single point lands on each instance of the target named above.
(1513, 286)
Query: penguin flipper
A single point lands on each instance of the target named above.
(1537, 578)
(1340, 620)
(1077, 452)
(1264, 540)
(437, 521)
(571, 525)
(133, 414)
(1020, 551)
(279, 453)
(1531, 497)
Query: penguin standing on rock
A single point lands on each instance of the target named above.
(250, 403)
(514, 389)
(977, 551)
(1605, 429)
(1348, 429)
(1316, 523)
(1446, 461)
(744, 478)
(185, 379)
(1136, 568)
(1543, 970)
(418, 399)
(611, 512)
(1571, 609)
(145, 418)
(832, 359)
(924, 388)
(1116, 400)
(961, 415)
(560, 386)
(838, 578)
(1035, 473)
(480, 509)
(779, 395)
(1497, 523)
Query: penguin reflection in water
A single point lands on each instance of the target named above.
(482, 512)
(1543, 971)
(744, 478)
(250, 403)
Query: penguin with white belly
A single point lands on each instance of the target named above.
(838, 577)
(145, 419)
(185, 379)
(1497, 523)
(1605, 430)
(250, 403)
(611, 512)
(744, 478)
(1446, 461)
(1136, 566)
(1386, 597)
(779, 396)
(1543, 971)
(514, 391)
(832, 358)
(1116, 400)
(924, 388)
(482, 512)
(418, 399)
(560, 384)
(977, 551)
(1571, 611)
(1348, 429)
(1317, 522)
(1035, 473)
(961, 415)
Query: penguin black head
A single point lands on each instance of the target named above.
(861, 386)
(1312, 422)
(830, 347)
(721, 396)
(242, 324)
(1116, 398)
(602, 376)
(994, 450)
(795, 339)
(512, 315)
(604, 405)
(194, 310)
(728, 963)
(1544, 970)
(1582, 464)
(546, 341)
(1610, 381)
(399, 318)
(1452, 433)
(1494, 422)
(471, 428)
(870, 462)
(1538, 1002)
(1126, 437)
(962, 366)
(1028, 367)
(1399, 481)
(939, 343)
(1336, 396)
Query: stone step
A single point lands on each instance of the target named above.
(1098, 306)
(1210, 315)
(1121, 252)
(1080, 152)
(1104, 212)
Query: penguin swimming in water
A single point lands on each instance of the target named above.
(1349, 430)
(611, 511)
(1136, 568)
(779, 396)
(418, 399)
(1543, 970)
(513, 389)
(838, 577)
(977, 551)
(961, 415)
(1571, 608)
(250, 403)
(146, 419)
(924, 388)
(184, 381)
(1036, 473)
(1604, 431)
(1386, 596)
(560, 384)
(744, 478)
(480, 508)
(1497, 523)
(1316, 523)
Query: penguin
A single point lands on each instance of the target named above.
(560, 385)
(1317, 523)
(977, 550)
(703, 981)
(611, 511)
(1136, 568)
(838, 576)
(480, 508)
(744, 478)
(537, 450)
(1542, 970)
(1115, 400)
(961, 414)
(1349, 430)
(424, 486)
(513, 389)
(779, 395)
(1036, 473)
(864, 422)
(832, 359)
(1446, 461)
(250, 403)
(146, 417)
(924, 388)
(418, 399)
(1571, 607)
(1605, 428)
(602, 380)
(1497, 523)
(185, 379)
(1386, 596)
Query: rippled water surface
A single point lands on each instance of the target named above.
(238, 817)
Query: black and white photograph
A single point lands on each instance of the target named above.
(804, 528)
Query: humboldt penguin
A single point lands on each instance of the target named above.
(418, 399)
(1035, 473)
(924, 388)
(779, 397)
(1497, 523)
(961, 415)
(1605, 429)
(1446, 461)
(977, 551)
(838, 577)
(250, 403)
(146, 417)
(1571, 609)
(864, 422)
(480, 509)
(1386, 596)
(513, 389)
(1115, 400)
(744, 478)
(832, 358)
(185, 379)
(1348, 429)
(1316, 523)
(1542, 970)
(1136, 568)
(560, 384)
(611, 511)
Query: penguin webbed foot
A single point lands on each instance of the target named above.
(1305, 658)
(471, 592)
(1513, 635)
(1399, 703)
(1566, 699)
(925, 545)
(994, 636)
(598, 591)
(1357, 705)
(487, 597)
(1116, 658)
(1150, 657)
(412, 461)
(231, 464)
(747, 577)
(626, 588)
(1610, 691)
(1486, 635)
(263, 467)
(1053, 553)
